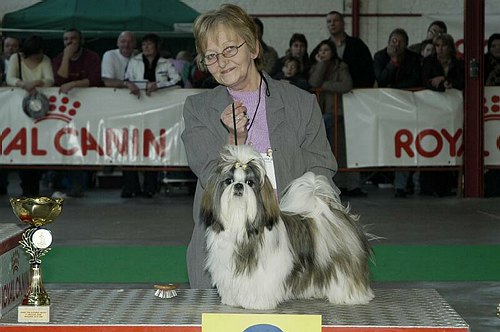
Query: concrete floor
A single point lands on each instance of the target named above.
(103, 218)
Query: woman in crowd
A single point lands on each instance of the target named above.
(147, 71)
(443, 70)
(492, 78)
(270, 115)
(330, 75)
(298, 50)
(30, 69)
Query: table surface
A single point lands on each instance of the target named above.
(391, 307)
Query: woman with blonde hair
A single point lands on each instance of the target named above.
(248, 107)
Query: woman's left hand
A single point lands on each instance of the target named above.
(150, 88)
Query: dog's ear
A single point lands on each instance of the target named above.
(209, 208)
(270, 213)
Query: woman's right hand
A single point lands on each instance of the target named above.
(241, 119)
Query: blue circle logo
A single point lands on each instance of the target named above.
(263, 328)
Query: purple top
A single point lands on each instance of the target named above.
(258, 132)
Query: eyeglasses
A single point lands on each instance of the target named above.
(228, 52)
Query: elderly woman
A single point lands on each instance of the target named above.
(270, 115)
(443, 70)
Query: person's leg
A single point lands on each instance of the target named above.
(130, 184)
(400, 182)
(150, 183)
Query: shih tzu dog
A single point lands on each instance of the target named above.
(261, 253)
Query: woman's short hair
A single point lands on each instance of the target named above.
(154, 38)
(298, 37)
(33, 45)
(448, 41)
(233, 18)
(493, 37)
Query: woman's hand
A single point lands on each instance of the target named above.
(241, 119)
(134, 90)
(151, 86)
(436, 81)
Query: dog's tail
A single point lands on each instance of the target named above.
(301, 196)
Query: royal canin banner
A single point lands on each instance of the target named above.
(95, 126)
(389, 127)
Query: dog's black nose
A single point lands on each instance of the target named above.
(238, 189)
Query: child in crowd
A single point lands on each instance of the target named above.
(291, 72)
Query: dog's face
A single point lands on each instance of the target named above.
(239, 195)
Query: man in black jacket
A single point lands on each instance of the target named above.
(351, 50)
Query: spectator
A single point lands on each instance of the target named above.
(441, 71)
(147, 71)
(184, 66)
(298, 50)
(291, 72)
(492, 61)
(398, 68)
(75, 67)
(331, 75)
(10, 46)
(435, 29)
(353, 51)
(281, 117)
(427, 48)
(492, 78)
(270, 55)
(115, 62)
(30, 69)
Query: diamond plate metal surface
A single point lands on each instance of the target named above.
(391, 307)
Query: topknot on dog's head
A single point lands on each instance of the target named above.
(236, 156)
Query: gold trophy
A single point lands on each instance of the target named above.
(36, 241)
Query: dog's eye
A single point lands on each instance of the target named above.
(249, 183)
(228, 181)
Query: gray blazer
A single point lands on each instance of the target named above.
(296, 132)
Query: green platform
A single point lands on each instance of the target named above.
(154, 264)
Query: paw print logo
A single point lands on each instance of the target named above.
(14, 261)
(491, 111)
(63, 109)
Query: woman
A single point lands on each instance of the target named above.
(330, 75)
(492, 78)
(269, 114)
(298, 50)
(30, 68)
(443, 70)
(492, 61)
(147, 71)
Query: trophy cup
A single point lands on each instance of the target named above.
(36, 241)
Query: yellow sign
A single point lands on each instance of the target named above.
(260, 323)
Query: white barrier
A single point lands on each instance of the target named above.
(389, 127)
(95, 126)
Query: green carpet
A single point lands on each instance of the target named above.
(168, 264)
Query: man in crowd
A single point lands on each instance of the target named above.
(351, 50)
(75, 67)
(115, 62)
(398, 68)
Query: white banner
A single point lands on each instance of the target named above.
(389, 127)
(491, 125)
(95, 126)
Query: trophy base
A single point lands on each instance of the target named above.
(33, 314)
